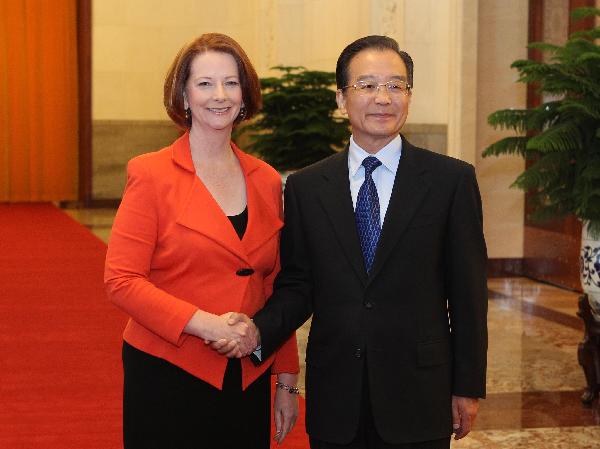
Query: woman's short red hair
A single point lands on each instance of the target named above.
(180, 71)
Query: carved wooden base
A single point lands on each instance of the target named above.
(588, 352)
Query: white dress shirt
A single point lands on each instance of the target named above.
(383, 176)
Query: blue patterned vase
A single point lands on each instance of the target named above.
(590, 270)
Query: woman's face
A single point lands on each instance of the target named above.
(213, 91)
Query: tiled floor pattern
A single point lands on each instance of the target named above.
(534, 379)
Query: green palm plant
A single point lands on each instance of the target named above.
(297, 125)
(560, 139)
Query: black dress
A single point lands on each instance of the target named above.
(165, 407)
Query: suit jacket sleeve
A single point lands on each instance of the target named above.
(290, 305)
(466, 288)
(132, 243)
(286, 357)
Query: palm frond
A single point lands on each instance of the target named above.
(510, 119)
(542, 174)
(582, 13)
(543, 46)
(561, 137)
(594, 229)
(591, 172)
(588, 56)
(508, 145)
(586, 34)
(580, 106)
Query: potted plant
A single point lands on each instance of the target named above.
(297, 125)
(560, 140)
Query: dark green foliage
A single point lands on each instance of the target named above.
(560, 138)
(297, 125)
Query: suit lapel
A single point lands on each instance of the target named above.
(337, 202)
(263, 216)
(409, 191)
(199, 211)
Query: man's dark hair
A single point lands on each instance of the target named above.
(367, 43)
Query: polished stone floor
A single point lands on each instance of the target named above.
(534, 380)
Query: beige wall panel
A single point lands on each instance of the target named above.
(424, 35)
(134, 41)
(556, 22)
(312, 33)
(497, 89)
(462, 46)
(387, 18)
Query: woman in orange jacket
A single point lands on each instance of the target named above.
(197, 235)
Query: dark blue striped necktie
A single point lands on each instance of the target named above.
(367, 213)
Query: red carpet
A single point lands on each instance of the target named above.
(60, 338)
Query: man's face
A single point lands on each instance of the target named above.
(376, 117)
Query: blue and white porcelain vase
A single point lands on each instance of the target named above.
(590, 270)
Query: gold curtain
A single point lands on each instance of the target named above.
(38, 100)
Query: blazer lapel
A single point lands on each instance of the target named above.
(337, 202)
(263, 216)
(199, 211)
(409, 191)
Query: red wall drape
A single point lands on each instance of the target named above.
(38, 100)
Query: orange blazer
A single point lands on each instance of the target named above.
(173, 251)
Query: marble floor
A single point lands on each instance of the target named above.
(534, 379)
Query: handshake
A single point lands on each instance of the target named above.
(233, 335)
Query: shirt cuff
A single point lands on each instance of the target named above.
(258, 353)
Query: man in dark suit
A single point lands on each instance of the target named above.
(383, 245)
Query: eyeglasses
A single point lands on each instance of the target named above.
(395, 87)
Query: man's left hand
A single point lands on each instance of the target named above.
(464, 412)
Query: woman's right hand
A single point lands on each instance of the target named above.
(211, 328)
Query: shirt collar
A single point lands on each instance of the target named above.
(389, 155)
